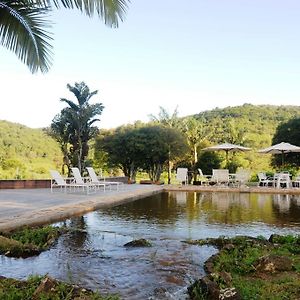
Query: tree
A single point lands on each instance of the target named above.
(61, 131)
(166, 119)
(74, 125)
(24, 25)
(120, 146)
(196, 132)
(287, 132)
(142, 147)
(157, 145)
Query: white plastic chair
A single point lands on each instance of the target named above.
(220, 176)
(242, 177)
(283, 179)
(263, 179)
(182, 175)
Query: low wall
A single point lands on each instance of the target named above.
(39, 183)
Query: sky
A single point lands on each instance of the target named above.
(195, 55)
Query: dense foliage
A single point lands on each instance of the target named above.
(249, 125)
(146, 148)
(288, 132)
(26, 153)
(30, 153)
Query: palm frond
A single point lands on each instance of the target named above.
(110, 11)
(22, 31)
(72, 105)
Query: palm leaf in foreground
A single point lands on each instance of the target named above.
(22, 31)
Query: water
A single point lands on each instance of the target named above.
(92, 253)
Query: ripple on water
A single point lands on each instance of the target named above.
(92, 253)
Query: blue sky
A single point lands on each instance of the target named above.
(195, 54)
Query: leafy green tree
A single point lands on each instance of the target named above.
(120, 146)
(208, 161)
(143, 147)
(158, 145)
(74, 125)
(168, 120)
(61, 132)
(24, 25)
(196, 133)
(287, 132)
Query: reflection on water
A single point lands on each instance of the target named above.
(92, 253)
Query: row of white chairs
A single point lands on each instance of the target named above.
(282, 179)
(218, 177)
(90, 184)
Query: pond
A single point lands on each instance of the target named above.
(91, 254)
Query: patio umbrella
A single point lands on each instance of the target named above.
(227, 147)
(280, 148)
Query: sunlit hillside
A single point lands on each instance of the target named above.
(30, 153)
(258, 122)
(26, 152)
(250, 125)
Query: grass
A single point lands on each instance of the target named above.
(253, 283)
(39, 237)
(28, 241)
(11, 289)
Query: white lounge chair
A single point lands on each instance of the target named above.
(204, 179)
(58, 181)
(94, 179)
(182, 175)
(88, 185)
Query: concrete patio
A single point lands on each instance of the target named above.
(20, 207)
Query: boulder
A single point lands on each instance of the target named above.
(273, 263)
(138, 243)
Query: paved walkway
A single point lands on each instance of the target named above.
(19, 207)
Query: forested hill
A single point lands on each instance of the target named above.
(257, 122)
(26, 152)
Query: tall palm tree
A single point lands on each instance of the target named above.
(78, 119)
(24, 25)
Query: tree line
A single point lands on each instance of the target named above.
(160, 145)
(167, 141)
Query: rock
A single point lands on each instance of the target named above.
(160, 292)
(229, 293)
(228, 247)
(209, 264)
(221, 277)
(273, 263)
(274, 238)
(47, 285)
(138, 243)
(204, 287)
(13, 248)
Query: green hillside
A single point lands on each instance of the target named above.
(26, 153)
(258, 122)
(250, 125)
(30, 153)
